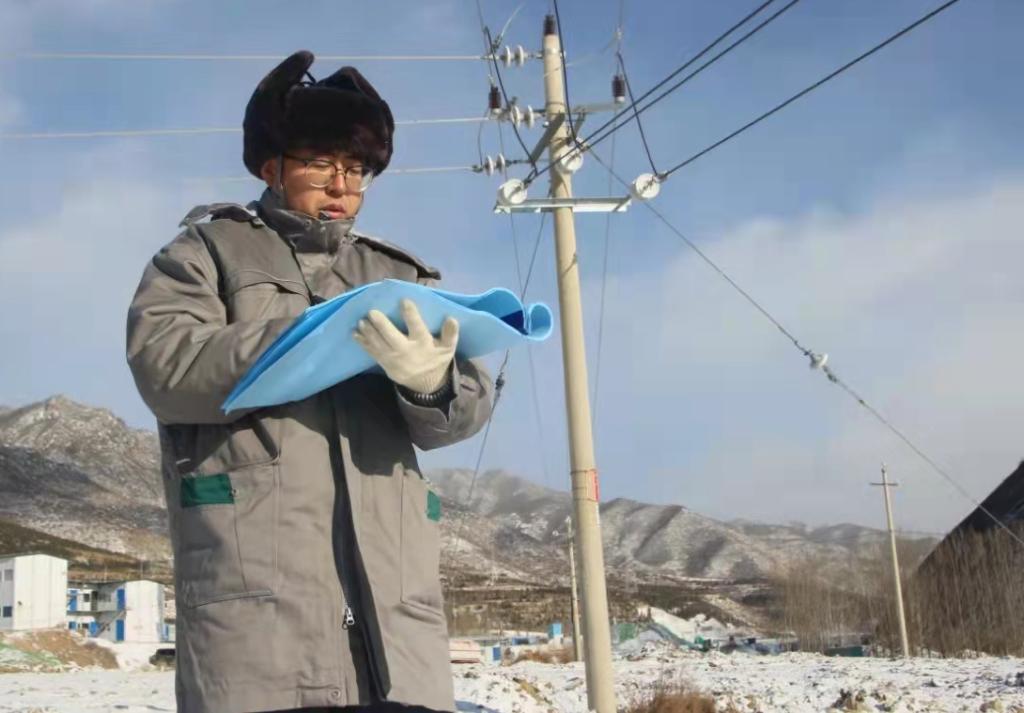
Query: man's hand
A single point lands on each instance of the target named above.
(417, 361)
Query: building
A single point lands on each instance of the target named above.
(32, 591)
(118, 611)
(968, 593)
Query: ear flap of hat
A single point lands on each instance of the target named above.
(286, 75)
(266, 109)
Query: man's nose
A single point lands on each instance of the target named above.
(338, 185)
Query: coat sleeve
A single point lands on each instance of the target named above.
(465, 414)
(183, 354)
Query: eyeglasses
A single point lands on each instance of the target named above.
(321, 173)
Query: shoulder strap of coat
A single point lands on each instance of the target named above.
(237, 240)
(398, 253)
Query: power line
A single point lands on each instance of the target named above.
(106, 56)
(608, 233)
(500, 380)
(565, 76)
(504, 95)
(811, 88)
(678, 70)
(636, 114)
(116, 133)
(453, 547)
(391, 171)
(818, 361)
(202, 130)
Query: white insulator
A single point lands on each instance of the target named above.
(530, 117)
(512, 192)
(489, 166)
(818, 361)
(507, 56)
(515, 115)
(570, 161)
(520, 56)
(501, 163)
(645, 187)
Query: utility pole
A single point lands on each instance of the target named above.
(597, 637)
(577, 633)
(885, 485)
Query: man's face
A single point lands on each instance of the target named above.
(336, 200)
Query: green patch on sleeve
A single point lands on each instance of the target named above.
(433, 506)
(206, 490)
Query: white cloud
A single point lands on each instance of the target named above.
(919, 305)
(69, 275)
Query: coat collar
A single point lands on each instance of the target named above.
(306, 234)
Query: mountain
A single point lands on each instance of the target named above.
(80, 473)
(84, 563)
(520, 525)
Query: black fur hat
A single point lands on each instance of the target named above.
(290, 110)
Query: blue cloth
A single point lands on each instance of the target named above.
(317, 351)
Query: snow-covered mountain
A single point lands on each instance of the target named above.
(521, 525)
(82, 474)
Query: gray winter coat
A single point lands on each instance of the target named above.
(306, 540)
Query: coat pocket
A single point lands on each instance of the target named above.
(227, 526)
(421, 545)
(254, 294)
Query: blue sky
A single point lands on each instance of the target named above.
(878, 219)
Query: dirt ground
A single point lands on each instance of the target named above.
(51, 650)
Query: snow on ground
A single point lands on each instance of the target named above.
(789, 683)
(132, 656)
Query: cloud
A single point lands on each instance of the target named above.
(69, 273)
(918, 304)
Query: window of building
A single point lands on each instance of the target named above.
(8, 575)
(7, 612)
(85, 597)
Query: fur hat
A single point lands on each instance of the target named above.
(291, 110)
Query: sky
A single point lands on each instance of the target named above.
(878, 219)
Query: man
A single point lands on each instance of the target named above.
(305, 538)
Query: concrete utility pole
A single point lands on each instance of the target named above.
(885, 485)
(577, 632)
(597, 637)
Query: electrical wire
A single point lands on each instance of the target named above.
(565, 77)
(523, 287)
(636, 114)
(202, 130)
(827, 78)
(234, 57)
(829, 372)
(595, 399)
(453, 548)
(504, 95)
(391, 171)
(533, 176)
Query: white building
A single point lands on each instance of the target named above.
(118, 611)
(33, 588)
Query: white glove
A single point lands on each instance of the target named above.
(419, 362)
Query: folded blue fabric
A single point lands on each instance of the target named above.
(318, 351)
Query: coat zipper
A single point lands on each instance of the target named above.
(348, 615)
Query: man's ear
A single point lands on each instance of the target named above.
(268, 172)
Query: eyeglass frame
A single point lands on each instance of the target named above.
(366, 178)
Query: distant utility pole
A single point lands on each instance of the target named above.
(885, 485)
(577, 633)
